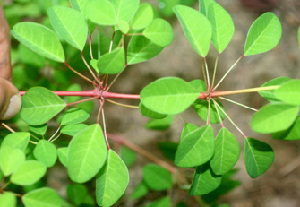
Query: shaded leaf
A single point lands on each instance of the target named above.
(168, 149)
(149, 113)
(139, 191)
(160, 124)
(39, 129)
(128, 156)
(166, 202)
(202, 106)
(293, 133)
(77, 193)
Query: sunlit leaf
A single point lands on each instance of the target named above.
(42, 197)
(19, 140)
(112, 63)
(101, 12)
(202, 106)
(73, 129)
(199, 85)
(45, 152)
(293, 133)
(204, 6)
(39, 129)
(62, 154)
(143, 17)
(74, 116)
(8, 199)
(289, 92)
(125, 9)
(10, 159)
(270, 95)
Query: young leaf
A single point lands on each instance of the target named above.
(204, 180)
(73, 129)
(77, 193)
(112, 180)
(143, 17)
(222, 26)
(28, 173)
(125, 9)
(101, 12)
(274, 118)
(62, 154)
(45, 152)
(141, 49)
(39, 105)
(17, 140)
(198, 36)
(168, 95)
(199, 85)
(39, 129)
(149, 113)
(195, 148)
(227, 152)
(156, 177)
(42, 197)
(45, 43)
(139, 191)
(8, 199)
(128, 156)
(259, 157)
(112, 63)
(165, 202)
(289, 92)
(263, 35)
(123, 26)
(87, 153)
(204, 6)
(70, 24)
(270, 95)
(10, 159)
(202, 106)
(159, 32)
(74, 116)
(160, 124)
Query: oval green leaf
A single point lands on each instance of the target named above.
(19, 140)
(196, 27)
(74, 116)
(45, 43)
(289, 92)
(159, 32)
(270, 95)
(42, 197)
(202, 106)
(259, 157)
(204, 6)
(263, 35)
(39, 105)
(160, 124)
(149, 113)
(8, 199)
(112, 63)
(227, 152)
(222, 26)
(143, 17)
(73, 129)
(165, 202)
(168, 95)
(62, 154)
(70, 24)
(139, 191)
(195, 148)
(125, 9)
(28, 173)
(87, 153)
(45, 152)
(39, 129)
(112, 180)
(274, 118)
(10, 159)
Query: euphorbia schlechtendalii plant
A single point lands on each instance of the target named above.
(137, 35)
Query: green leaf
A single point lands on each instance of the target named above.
(87, 153)
(143, 17)
(29, 57)
(112, 180)
(168, 95)
(101, 12)
(45, 43)
(168, 149)
(204, 6)
(112, 63)
(289, 92)
(293, 133)
(263, 35)
(123, 26)
(43, 197)
(188, 129)
(259, 157)
(73, 87)
(160, 124)
(157, 178)
(141, 49)
(28, 172)
(128, 156)
(204, 181)
(10, 159)
(1, 175)
(73, 129)
(149, 113)
(125, 9)
(227, 152)
(222, 26)
(8, 199)
(195, 148)
(17, 140)
(77, 193)
(39, 129)
(199, 85)
(274, 118)
(270, 95)
(159, 32)
(45, 152)
(70, 24)
(202, 106)
(165, 202)
(74, 116)
(62, 154)
(139, 191)
(198, 36)
(39, 105)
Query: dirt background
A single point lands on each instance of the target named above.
(279, 186)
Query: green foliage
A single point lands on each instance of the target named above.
(74, 116)
(8, 200)
(270, 95)
(62, 154)
(128, 156)
(263, 35)
(10, 159)
(202, 107)
(112, 63)
(289, 92)
(149, 113)
(17, 140)
(143, 17)
(101, 12)
(166, 202)
(139, 191)
(292, 133)
(258, 157)
(39, 129)
(125, 9)
(43, 197)
(160, 124)
(45, 152)
(204, 6)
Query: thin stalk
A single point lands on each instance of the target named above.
(53, 140)
(231, 121)
(228, 71)
(249, 90)
(101, 101)
(56, 132)
(134, 34)
(90, 42)
(215, 71)
(82, 76)
(239, 104)
(8, 128)
(218, 112)
(104, 128)
(208, 114)
(207, 73)
(120, 104)
(203, 73)
(89, 68)
(33, 142)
